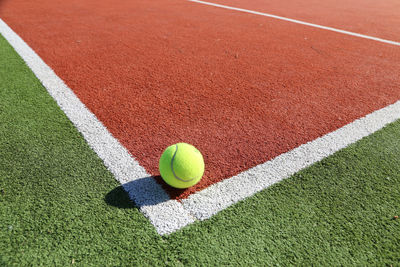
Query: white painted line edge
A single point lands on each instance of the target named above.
(297, 21)
(219, 196)
(166, 215)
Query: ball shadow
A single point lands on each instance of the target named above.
(145, 191)
(119, 198)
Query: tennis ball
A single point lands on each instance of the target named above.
(181, 165)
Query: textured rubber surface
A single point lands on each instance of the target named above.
(370, 17)
(242, 88)
(314, 25)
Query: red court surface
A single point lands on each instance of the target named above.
(242, 88)
(370, 17)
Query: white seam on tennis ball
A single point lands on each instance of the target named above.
(173, 171)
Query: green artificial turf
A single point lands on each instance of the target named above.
(60, 206)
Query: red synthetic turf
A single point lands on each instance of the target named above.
(240, 87)
(370, 17)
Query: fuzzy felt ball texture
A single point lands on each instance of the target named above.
(181, 165)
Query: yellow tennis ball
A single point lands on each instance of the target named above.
(181, 165)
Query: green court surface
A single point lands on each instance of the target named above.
(60, 206)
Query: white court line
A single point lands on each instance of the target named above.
(219, 196)
(166, 215)
(170, 215)
(298, 22)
